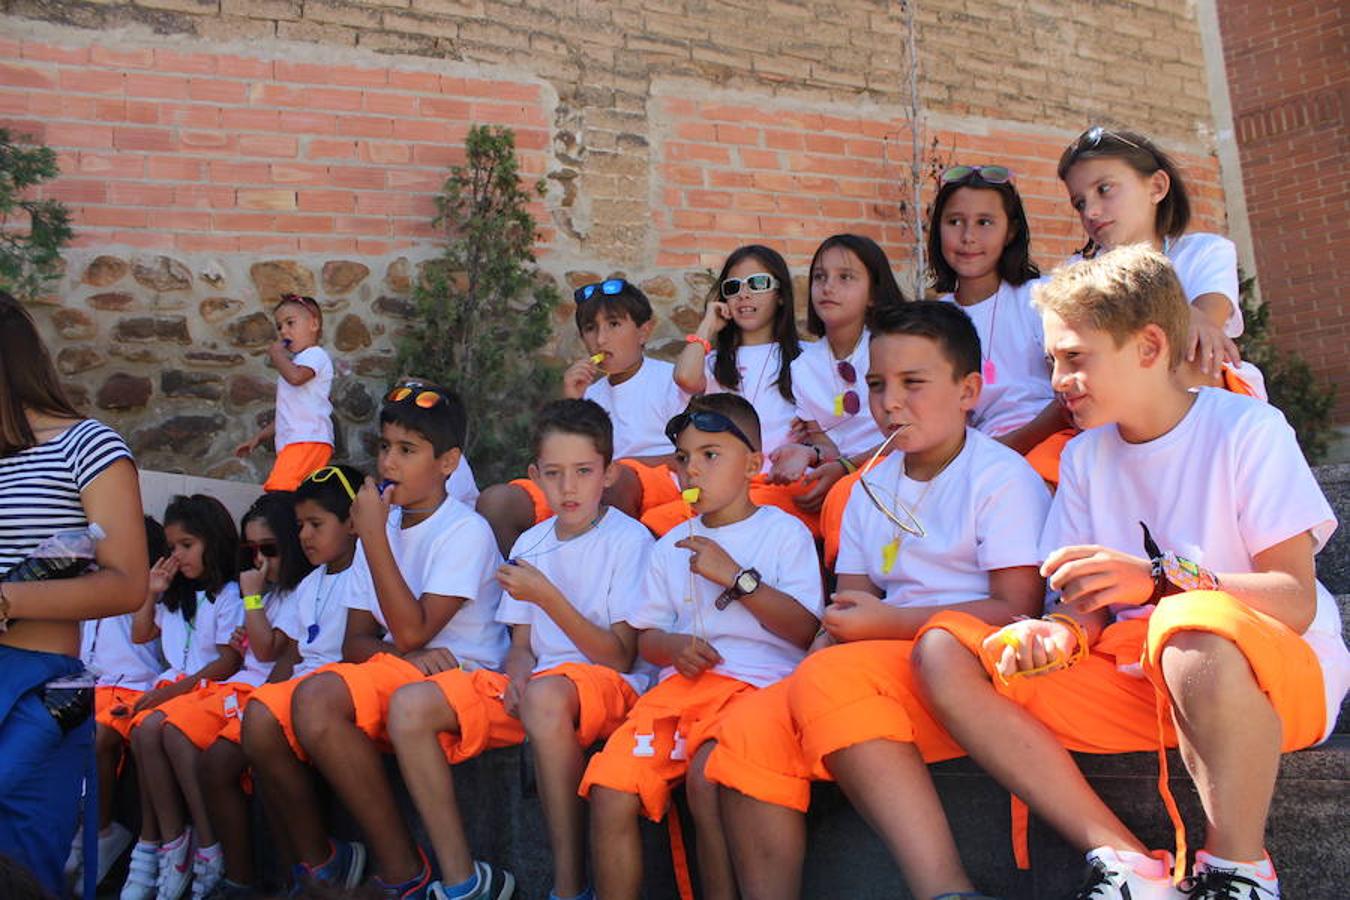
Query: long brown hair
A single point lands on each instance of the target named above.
(28, 379)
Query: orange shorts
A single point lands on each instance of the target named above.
(650, 751)
(138, 717)
(276, 696)
(603, 698)
(832, 514)
(1044, 457)
(541, 508)
(484, 724)
(1095, 707)
(658, 483)
(204, 713)
(371, 684)
(663, 518)
(295, 463)
(112, 707)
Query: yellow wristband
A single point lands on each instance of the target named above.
(849, 467)
(253, 601)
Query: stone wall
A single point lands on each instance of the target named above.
(206, 173)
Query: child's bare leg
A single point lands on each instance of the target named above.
(616, 844)
(1230, 740)
(1013, 747)
(325, 723)
(219, 770)
(714, 860)
(625, 494)
(108, 751)
(157, 776)
(767, 844)
(549, 711)
(183, 756)
(286, 786)
(417, 714)
(509, 510)
(888, 784)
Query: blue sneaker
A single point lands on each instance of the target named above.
(344, 868)
(493, 884)
(416, 888)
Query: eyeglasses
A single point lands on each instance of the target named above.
(608, 287)
(709, 421)
(758, 283)
(1094, 135)
(249, 550)
(910, 524)
(328, 472)
(424, 398)
(987, 174)
(847, 402)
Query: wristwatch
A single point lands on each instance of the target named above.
(747, 582)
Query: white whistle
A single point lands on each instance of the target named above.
(678, 752)
(644, 745)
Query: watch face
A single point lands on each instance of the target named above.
(747, 582)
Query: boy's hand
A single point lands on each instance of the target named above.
(1207, 346)
(790, 463)
(151, 699)
(278, 351)
(252, 581)
(524, 582)
(579, 376)
(246, 447)
(1091, 577)
(821, 479)
(708, 559)
(854, 616)
(430, 660)
(822, 640)
(1028, 645)
(370, 512)
(694, 656)
(161, 573)
(804, 431)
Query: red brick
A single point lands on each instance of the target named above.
(385, 153)
(391, 103)
(137, 112)
(249, 119)
(316, 73)
(439, 131)
(206, 243)
(303, 224)
(365, 126)
(682, 152)
(759, 159)
(217, 90)
(113, 217)
(361, 225)
(267, 243)
(496, 90)
(49, 53)
(74, 190)
(172, 87)
(415, 180)
(121, 59)
(443, 108)
(155, 139)
(369, 178)
(427, 82)
(226, 171)
(244, 67)
(326, 201)
(328, 245)
(265, 198)
(278, 145)
(509, 114)
(204, 196)
(737, 134)
(140, 193)
(239, 221)
(317, 148)
(441, 157)
(83, 81)
(13, 102)
(194, 63)
(117, 165)
(78, 134)
(306, 122)
(183, 220)
(206, 141)
(146, 240)
(188, 115)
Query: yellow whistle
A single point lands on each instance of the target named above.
(889, 552)
(597, 358)
(690, 495)
(1010, 640)
(838, 404)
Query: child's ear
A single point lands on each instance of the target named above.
(645, 330)
(971, 386)
(1151, 342)
(349, 526)
(1159, 183)
(449, 460)
(611, 473)
(533, 473)
(754, 462)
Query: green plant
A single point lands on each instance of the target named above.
(484, 310)
(29, 257)
(1305, 401)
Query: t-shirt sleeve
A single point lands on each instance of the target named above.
(315, 358)
(287, 619)
(852, 559)
(229, 609)
(1212, 269)
(95, 448)
(654, 606)
(1067, 523)
(1010, 516)
(359, 591)
(461, 561)
(628, 572)
(1272, 508)
(798, 566)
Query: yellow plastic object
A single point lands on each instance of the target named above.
(1010, 640)
(690, 495)
(597, 358)
(889, 551)
(838, 404)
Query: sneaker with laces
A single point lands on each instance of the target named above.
(344, 867)
(208, 869)
(493, 884)
(143, 873)
(1216, 880)
(415, 888)
(175, 867)
(1111, 876)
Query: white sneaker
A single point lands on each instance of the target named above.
(143, 874)
(76, 858)
(207, 872)
(175, 868)
(1216, 879)
(111, 846)
(1112, 876)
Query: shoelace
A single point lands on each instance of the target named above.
(1221, 884)
(1097, 877)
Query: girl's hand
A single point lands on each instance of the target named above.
(1029, 645)
(1091, 577)
(278, 351)
(153, 698)
(790, 463)
(854, 616)
(1208, 347)
(579, 376)
(252, 581)
(246, 447)
(805, 431)
(370, 511)
(239, 640)
(822, 640)
(821, 479)
(162, 572)
(524, 582)
(715, 318)
(694, 656)
(707, 558)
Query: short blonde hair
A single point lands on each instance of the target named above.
(1120, 292)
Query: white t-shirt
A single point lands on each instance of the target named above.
(816, 383)
(303, 410)
(597, 572)
(1012, 340)
(452, 553)
(316, 617)
(190, 645)
(254, 671)
(115, 659)
(640, 408)
(984, 512)
(759, 366)
(770, 541)
(461, 484)
(1225, 484)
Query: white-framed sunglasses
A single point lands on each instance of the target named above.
(758, 283)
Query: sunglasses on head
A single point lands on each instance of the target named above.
(757, 283)
(709, 421)
(987, 174)
(328, 472)
(1093, 137)
(415, 393)
(609, 288)
(249, 550)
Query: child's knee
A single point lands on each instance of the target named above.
(937, 658)
(149, 733)
(700, 792)
(106, 740)
(1201, 665)
(416, 710)
(549, 707)
(505, 504)
(610, 807)
(221, 764)
(259, 732)
(318, 702)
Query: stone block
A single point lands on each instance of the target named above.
(73, 360)
(342, 276)
(74, 325)
(162, 274)
(245, 390)
(351, 334)
(281, 276)
(253, 330)
(216, 309)
(105, 270)
(112, 300)
(398, 277)
(209, 359)
(153, 328)
(185, 437)
(200, 385)
(122, 392)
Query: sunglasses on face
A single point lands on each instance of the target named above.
(987, 174)
(757, 283)
(847, 402)
(609, 288)
(414, 393)
(249, 550)
(709, 421)
(328, 472)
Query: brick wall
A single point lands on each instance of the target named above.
(1289, 81)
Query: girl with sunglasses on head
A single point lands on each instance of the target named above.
(302, 427)
(980, 247)
(745, 345)
(193, 606)
(1128, 191)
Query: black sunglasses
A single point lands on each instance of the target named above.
(709, 421)
(249, 550)
(609, 287)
